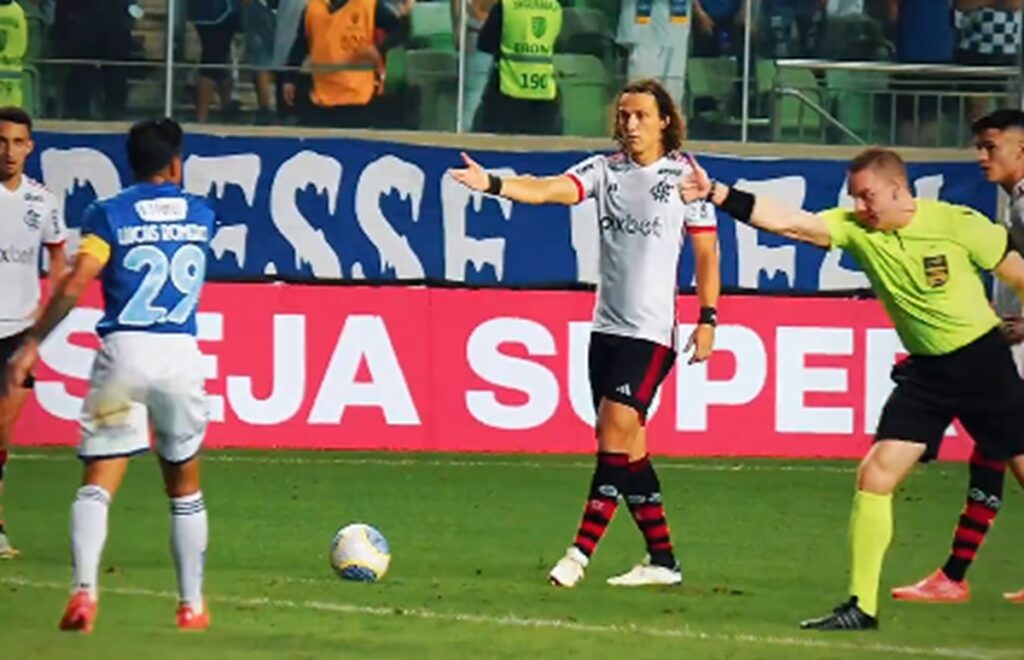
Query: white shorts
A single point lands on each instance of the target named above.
(664, 63)
(140, 379)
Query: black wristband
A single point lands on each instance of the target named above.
(493, 185)
(739, 204)
(708, 316)
(711, 192)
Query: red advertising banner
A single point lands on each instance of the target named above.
(414, 368)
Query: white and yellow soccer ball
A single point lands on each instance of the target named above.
(360, 552)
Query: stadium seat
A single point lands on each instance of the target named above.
(855, 99)
(394, 69)
(434, 74)
(30, 92)
(792, 119)
(709, 83)
(580, 20)
(609, 9)
(36, 37)
(857, 38)
(432, 26)
(585, 92)
(585, 32)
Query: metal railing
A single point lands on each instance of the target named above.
(802, 100)
(923, 105)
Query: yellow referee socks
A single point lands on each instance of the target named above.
(870, 533)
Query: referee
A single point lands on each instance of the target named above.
(922, 258)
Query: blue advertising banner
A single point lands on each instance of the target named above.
(309, 209)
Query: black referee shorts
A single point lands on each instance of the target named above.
(8, 347)
(627, 370)
(977, 384)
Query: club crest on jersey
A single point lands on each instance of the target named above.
(936, 270)
(33, 219)
(661, 191)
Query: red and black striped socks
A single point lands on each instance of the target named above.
(609, 481)
(643, 496)
(984, 497)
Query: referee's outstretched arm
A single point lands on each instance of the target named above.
(526, 189)
(762, 212)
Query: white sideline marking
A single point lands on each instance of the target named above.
(663, 464)
(512, 620)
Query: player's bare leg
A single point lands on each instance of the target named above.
(10, 407)
(885, 466)
(189, 533)
(89, 514)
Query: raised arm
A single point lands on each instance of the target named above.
(525, 189)
(762, 212)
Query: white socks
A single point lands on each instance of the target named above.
(88, 534)
(189, 533)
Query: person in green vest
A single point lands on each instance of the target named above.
(13, 44)
(522, 95)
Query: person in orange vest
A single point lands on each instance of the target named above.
(342, 40)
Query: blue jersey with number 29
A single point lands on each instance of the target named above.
(158, 237)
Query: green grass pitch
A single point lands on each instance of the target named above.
(763, 544)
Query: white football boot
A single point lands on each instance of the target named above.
(646, 573)
(569, 569)
(7, 551)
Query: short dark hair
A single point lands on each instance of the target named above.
(672, 137)
(878, 158)
(16, 115)
(999, 120)
(152, 145)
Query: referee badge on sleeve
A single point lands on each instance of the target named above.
(936, 270)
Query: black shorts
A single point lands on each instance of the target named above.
(215, 46)
(498, 113)
(627, 370)
(977, 384)
(8, 347)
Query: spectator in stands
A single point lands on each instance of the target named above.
(286, 28)
(216, 23)
(258, 24)
(521, 95)
(656, 34)
(923, 30)
(719, 27)
(13, 43)
(988, 33)
(478, 63)
(793, 28)
(94, 30)
(344, 40)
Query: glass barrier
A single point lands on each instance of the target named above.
(810, 71)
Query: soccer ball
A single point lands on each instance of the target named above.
(359, 552)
